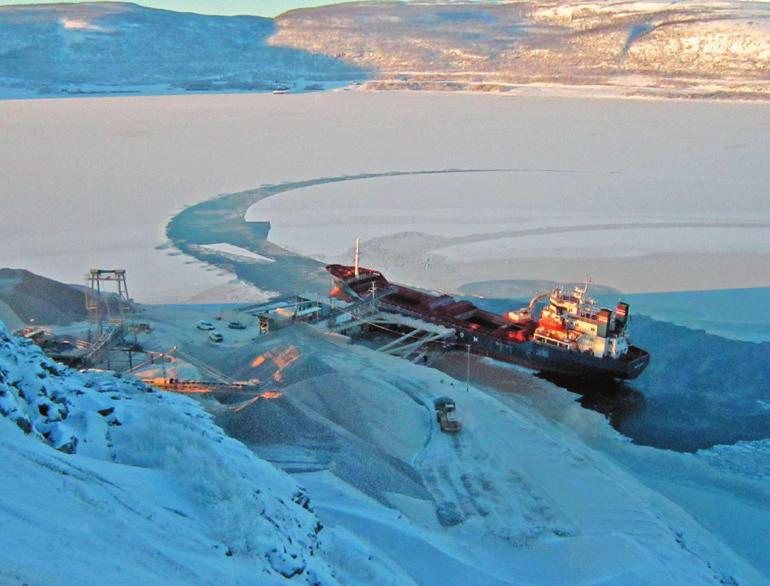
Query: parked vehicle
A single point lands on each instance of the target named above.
(205, 325)
(445, 407)
(215, 336)
(236, 325)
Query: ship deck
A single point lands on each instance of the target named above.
(438, 308)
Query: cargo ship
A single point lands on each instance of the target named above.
(571, 336)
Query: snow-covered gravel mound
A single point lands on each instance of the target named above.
(109, 481)
(535, 489)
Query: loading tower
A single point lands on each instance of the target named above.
(104, 305)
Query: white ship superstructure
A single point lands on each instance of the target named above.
(574, 321)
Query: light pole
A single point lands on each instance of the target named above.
(468, 368)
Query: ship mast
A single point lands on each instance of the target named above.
(357, 262)
(588, 282)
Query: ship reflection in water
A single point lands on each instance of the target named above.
(619, 402)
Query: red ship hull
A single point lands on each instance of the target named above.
(485, 332)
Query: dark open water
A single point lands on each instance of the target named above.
(699, 390)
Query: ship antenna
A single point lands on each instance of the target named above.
(357, 262)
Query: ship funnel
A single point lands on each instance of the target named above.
(357, 261)
(621, 316)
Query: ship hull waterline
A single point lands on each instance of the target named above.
(539, 357)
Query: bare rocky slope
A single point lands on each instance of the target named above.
(35, 299)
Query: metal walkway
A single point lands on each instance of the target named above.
(412, 335)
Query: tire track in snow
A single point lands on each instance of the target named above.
(468, 481)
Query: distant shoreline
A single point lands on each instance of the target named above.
(544, 90)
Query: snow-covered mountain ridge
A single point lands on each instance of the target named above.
(144, 488)
(685, 48)
(668, 48)
(122, 48)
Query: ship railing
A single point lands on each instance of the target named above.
(540, 338)
(588, 315)
(633, 353)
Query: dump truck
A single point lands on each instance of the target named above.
(445, 407)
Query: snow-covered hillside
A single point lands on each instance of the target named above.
(673, 48)
(665, 48)
(122, 48)
(113, 482)
(107, 481)
(526, 494)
